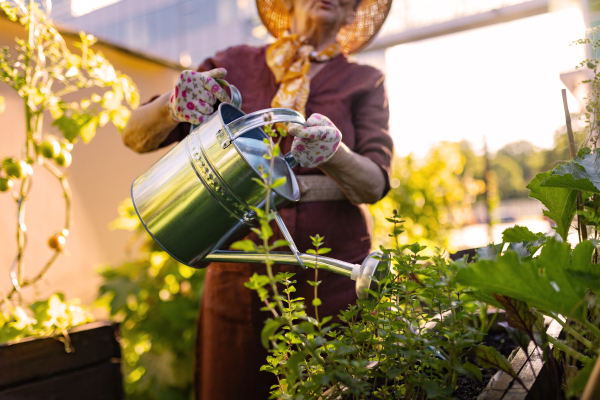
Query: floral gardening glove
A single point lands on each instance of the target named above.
(315, 144)
(195, 94)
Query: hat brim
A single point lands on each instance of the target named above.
(369, 17)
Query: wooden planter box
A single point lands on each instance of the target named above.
(41, 368)
(530, 368)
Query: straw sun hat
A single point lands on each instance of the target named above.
(368, 19)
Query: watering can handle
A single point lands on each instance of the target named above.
(260, 118)
(288, 238)
(236, 96)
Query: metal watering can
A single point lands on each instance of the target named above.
(197, 197)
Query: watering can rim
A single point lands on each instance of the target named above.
(250, 116)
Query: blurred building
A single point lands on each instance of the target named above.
(184, 31)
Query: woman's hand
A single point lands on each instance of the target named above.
(195, 94)
(316, 143)
(319, 145)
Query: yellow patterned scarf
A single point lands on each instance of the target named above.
(289, 59)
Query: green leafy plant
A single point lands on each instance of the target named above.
(410, 339)
(45, 318)
(530, 274)
(155, 299)
(44, 72)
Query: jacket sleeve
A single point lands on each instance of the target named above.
(371, 121)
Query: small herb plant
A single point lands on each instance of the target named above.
(409, 340)
(44, 72)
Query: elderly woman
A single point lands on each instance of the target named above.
(306, 69)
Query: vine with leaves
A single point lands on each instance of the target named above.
(44, 72)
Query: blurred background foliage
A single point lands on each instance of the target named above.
(433, 194)
(437, 193)
(155, 298)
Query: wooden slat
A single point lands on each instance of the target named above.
(97, 382)
(529, 367)
(34, 359)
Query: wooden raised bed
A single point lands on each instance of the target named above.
(529, 365)
(41, 368)
(530, 368)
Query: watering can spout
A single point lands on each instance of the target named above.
(361, 273)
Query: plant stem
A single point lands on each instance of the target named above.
(573, 332)
(591, 327)
(581, 225)
(568, 350)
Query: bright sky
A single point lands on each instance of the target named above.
(82, 7)
(500, 81)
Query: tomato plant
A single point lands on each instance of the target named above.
(42, 71)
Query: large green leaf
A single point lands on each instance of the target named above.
(518, 234)
(553, 289)
(582, 173)
(560, 202)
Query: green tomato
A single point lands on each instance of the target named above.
(63, 159)
(15, 168)
(49, 148)
(5, 184)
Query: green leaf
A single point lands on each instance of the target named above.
(257, 281)
(70, 127)
(293, 365)
(269, 330)
(474, 369)
(11, 12)
(518, 234)
(582, 173)
(316, 302)
(276, 150)
(489, 357)
(307, 327)
(560, 202)
(470, 370)
(393, 373)
(324, 250)
(280, 243)
(278, 182)
(554, 290)
(243, 245)
(260, 182)
(489, 252)
(516, 335)
(485, 297)
(88, 131)
(519, 248)
(582, 257)
(519, 316)
(435, 390)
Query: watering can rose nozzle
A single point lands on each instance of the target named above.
(361, 273)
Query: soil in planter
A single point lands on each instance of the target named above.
(469, 389)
